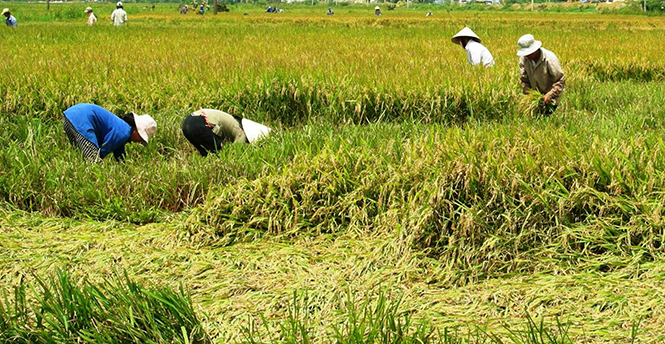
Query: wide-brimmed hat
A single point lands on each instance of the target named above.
(377, 8)
(145, 125)
(528, 45)
(87, 9)
(254, 131)
(6, 10)
(466, 32)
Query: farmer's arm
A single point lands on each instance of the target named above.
(524, 77)
(558, 76)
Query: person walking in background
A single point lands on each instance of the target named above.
(9, 18)
(476, 53)
(97, 132)
(119, 16)
(377, 11)
(540, 71)
(208, 130)
(91, 16)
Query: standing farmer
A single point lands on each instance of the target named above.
(540, 71)
(9, 18)
(119, 16)
(97, 132)
(208, 130)
(91, 17)
(476, 53)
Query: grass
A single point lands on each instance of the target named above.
(405, 192)
(57, 310)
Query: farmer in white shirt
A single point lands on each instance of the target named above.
(475, 52)
(119, 16)
(91, 17)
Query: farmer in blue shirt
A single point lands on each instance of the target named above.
(9, 18)
(97, 132)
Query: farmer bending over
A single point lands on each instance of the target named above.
(540, 71)
(97, 132)
(91, 17)
(476, 53)
(208, 130)
(9, 18)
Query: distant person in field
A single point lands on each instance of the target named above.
(476, 53)
(377, 11)
(429, 14)
(330, 11)
(97, 132)
(183, 9)
(269, 9)
(119, 16)
(91, 17)
(9, 18)
(208, 130)
(540, 71)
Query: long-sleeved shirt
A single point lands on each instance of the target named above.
(119, 17)
(224, 125)
(106, 130)
(92, 19)
(544, 75)
(11, 21)
(478, 54)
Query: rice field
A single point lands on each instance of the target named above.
(404, 196)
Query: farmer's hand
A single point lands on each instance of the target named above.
(547, 99)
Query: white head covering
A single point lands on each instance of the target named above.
(87, 9)
(254, 131)
(377, 8)
(119, 4)
(466, 32)
(528, 45)
(4, 11)
(145, 125)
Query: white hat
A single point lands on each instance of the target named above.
(528, 45)
(145, 125)
(466, 32)
(6, 10)
(377, 8)
(87, 9)
(118, 4)
(254, 131)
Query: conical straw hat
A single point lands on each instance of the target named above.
(466, 32)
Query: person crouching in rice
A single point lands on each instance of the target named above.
(476, 53)
(96, 132)
(208, 130)
(540, 72)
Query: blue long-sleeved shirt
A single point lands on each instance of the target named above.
(11, 21)
(106, 130)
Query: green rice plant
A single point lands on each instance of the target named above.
(119, 310)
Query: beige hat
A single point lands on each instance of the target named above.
(145, 125)
(466, 32)
(254, 131)
(6, 10)
(377, 8)
(87, 9)
(528, 45)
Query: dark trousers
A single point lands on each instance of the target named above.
(198, 133)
